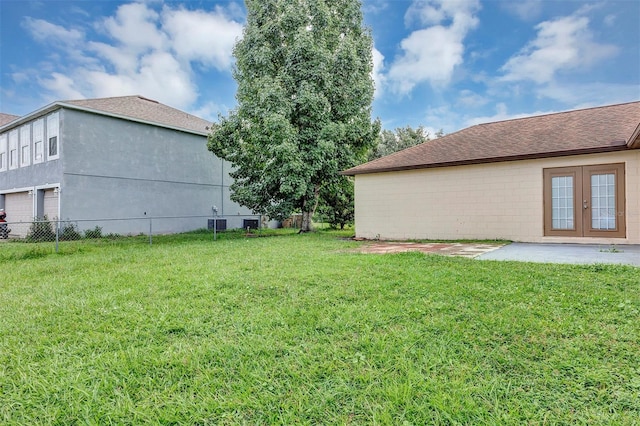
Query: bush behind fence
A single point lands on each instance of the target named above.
(50, 230)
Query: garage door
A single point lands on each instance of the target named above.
(51, 204)
(19, 208)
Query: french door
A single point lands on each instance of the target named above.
(585, 201)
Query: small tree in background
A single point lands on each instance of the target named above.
(304, 104)
(336, 203)
(337, 200)
(402, 138)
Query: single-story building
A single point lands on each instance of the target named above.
(567, 177)
(102, 162)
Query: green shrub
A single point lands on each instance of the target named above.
(93, 233)
(70, 233)
(41, 230)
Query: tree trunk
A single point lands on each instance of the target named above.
(307, 216)
(306, 222)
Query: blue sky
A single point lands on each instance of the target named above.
(443, 64)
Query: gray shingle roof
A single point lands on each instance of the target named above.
(600, 129)
(135, 108)
(143, 109)
(7, 118)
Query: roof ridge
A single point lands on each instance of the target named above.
(103, 98)
(546, 114)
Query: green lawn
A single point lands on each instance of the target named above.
(298, 329)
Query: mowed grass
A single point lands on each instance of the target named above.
(299, 329)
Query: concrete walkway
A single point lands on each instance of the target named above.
(566, 253)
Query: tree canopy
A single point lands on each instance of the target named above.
(303, 69)
(390, 141)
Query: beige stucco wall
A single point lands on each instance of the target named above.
(484, 201)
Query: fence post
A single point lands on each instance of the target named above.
(57, 234)
(150, 230)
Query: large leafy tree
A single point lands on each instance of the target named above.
(304, 95)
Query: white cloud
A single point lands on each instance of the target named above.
(562, 44)
(432, 54)
(209, 111)
(441, 117)
(609, 20)
(20, 77)
(44, 31)
(135, 27)
(501, 115)
(159, 76)
(192, 33)
(471, 99)
(377, 73)
(122, 60)
(62, 85)
(524, 9)
(375, 6)
(145, 48)
(582, 95)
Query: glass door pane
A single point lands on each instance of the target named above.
(603, 202)
(562, 211)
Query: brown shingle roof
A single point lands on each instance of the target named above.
(7, 118)
(601, 129)
(142, 109)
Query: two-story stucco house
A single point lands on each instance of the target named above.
(568, 177)
(113, 159)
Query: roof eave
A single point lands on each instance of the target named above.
(354, 171)
(634, 140)
(25, 118)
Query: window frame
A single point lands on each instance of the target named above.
(37, 133)
(25, 145)
(53, 131)
(13, 161)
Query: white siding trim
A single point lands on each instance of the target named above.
(3, 152)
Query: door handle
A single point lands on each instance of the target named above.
(585, 204)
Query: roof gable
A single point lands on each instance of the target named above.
(142, 109)
(133, 108)
(7, 118)
(601, 129)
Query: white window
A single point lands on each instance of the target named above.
(3, 152)
(38, 141)
(13, 149)
(25, 145)
(53, 140)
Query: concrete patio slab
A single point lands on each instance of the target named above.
(566, 253)
(470, 250)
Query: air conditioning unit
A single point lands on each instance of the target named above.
(221, 224)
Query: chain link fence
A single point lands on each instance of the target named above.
(46, 230)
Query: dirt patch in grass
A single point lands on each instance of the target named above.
(470, 250)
